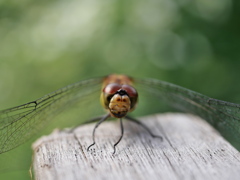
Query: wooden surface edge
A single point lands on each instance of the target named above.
(191, 149)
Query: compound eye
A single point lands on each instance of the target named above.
(130, 90)
(112, 88)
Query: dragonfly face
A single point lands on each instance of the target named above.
(119, 97)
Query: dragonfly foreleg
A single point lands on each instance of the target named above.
(93, 133)
(122, 130)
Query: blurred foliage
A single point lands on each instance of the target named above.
(46, 45)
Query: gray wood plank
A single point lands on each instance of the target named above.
(191, 149)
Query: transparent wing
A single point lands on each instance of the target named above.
(19, 123)
(222, 115)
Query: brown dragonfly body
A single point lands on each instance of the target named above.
(119, 97)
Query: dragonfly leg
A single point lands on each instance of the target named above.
(93, 133)
(144, 126)
(122, 130)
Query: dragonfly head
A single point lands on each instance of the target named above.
(119, 99)
(120, 104)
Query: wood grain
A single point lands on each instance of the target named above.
(191, 149)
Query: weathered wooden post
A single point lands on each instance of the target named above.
(191, 149)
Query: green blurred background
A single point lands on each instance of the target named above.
(45, 45)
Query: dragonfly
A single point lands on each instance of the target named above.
(119, 96)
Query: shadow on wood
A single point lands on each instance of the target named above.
(191, 149)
